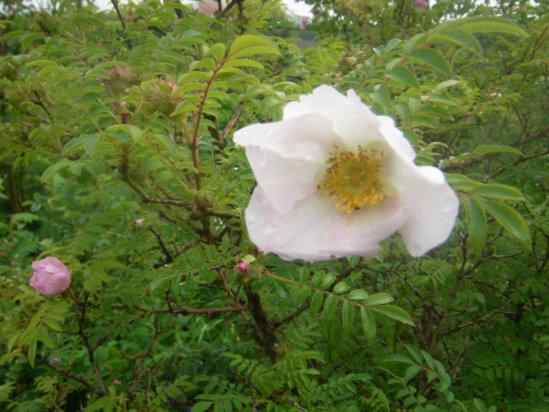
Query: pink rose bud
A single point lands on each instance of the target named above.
(422, 4)
(242, 266)
(208, 7)
(51, 277)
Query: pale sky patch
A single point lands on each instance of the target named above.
(295, 7)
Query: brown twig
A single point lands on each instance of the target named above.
(228, 8)
(198, 118)
(294, 315)
(265, 332)
(230, 125)
(119, 14)
(69, 375)
(39, 102)
(168, 258)
(519, 161)
(183, 310)
(474, 322)
(82, 319)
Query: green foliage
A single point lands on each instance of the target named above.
(117, 157)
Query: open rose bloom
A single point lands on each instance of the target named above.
(334, 180)
(51, 277)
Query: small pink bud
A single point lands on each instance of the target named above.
(50, 277)
(208, 7)
(242, 266)
(422, 4)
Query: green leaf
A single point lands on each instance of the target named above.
(341, 287)
(206, 63)
(446, 84)
(499, 191)
(358, 294)
(368, 323)
(202, 406)
(257, 51)
(347, 317)
(249, 40)
(218, 51)
(509, 218)
(330, 307)
(183, 107)
(476, 223)
(394, 312)
(31, 353)
(403, 75)
(479, 405)
(415, 354)
(5, 391)
(244, 63)
(378, 299)
(192, 86)
(482, 25)
(462, 183)
(328, 280)
(124, 132)
(250, 45)
(411, 372)
(399, 358)
(432, 58)
(460, 38)
(195, 76)
(316, 302)
(415, 42)
(394, 63)
(23, 218)
(486, 149)
(382, 98)
(231, 71)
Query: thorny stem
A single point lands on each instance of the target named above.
(198, 118)
(82, 319)
(265, 332)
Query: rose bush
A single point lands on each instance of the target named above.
(118, 157)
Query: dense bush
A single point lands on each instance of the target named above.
(117, 158)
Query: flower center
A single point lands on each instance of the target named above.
(352, 179)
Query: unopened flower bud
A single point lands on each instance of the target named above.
(242, 266)
(51, 277)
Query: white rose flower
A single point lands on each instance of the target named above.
(334, 180)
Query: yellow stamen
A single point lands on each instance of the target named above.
(353, 180)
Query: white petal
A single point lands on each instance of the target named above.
(304, 137)
(315, 231)
(284, 181)
(352, 119)
(288, 157)
(396, 138)
(431, 205)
